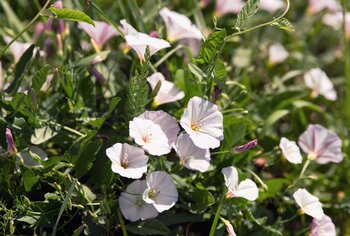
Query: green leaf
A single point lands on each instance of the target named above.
(86, 61)
(20, 67)
(40, 77)
(111, 107)
(197, 72)
(42, 135)
(275, 116)
(284, 24)
(201, 199)
(234, 131)
(72, 15)
(211, 47)
(148, 227)
(248, 10)
(87, 156)
(220, 73)
(29, 179)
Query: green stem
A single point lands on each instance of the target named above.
(121, 221)
(346, 63)
(220, 152)
(217, 215)
(137, 14)
(304, 168)
(228, 38)
(25, 28)
(166, 56)
(68, 129)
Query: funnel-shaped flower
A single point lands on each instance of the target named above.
(290, 151)
(203, 121)
(127, 28)
(17, 49)
(321, 144)
(318, 81)
(277, 54)
(11, 147)
(178, 26)
(191, 156)
(161, 191)
(323, 227)
(224, 7)
(133, 206)
(246, 189)
(229, 227)
(168, 92)
(100, 34)
(128, 161)
(271, 6)
(308, 203)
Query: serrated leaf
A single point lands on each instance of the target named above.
(220, 74)
(211, 46)
(148, 227)
(70, 14)
(284, 24)
(197, 72)
(40, 77)
(248, 10)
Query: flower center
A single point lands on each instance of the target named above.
(124, 162)
(311, 156)
(146, 138)
(152, 193)
(195, 126)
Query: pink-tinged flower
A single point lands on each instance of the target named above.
(216, 94)
(224, 7)
(127, 28)
(133, 206)
(318, 81)
(229, 227)
(191, 156)
(277, 54)
(161, 191)
(272, 6)
(179, 26)
(203, 121)
(319, 5)
(290, 151)
(246, 189)
(168, 92)
(140, 41)
(323, 227)
(321, 144)
(128, 161)
(11, 147)
(245, 147)
(17, 49)
(333, 20)
(308, 203)
(100, 34)
(149, 136)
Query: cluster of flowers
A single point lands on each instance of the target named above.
(323, 146)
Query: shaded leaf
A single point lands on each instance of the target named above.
(29, 179)
(40, 77)
(148, 227)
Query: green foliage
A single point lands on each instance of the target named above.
(248, 10)
(284, 24)
(148, 227)
(71, 15)
(138, 91)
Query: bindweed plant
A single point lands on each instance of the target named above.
(222, 117)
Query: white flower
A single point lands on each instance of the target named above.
(228, 6)
(203, 121)
(290, 151)
(319, 5)
(178, 26)
(132, 205)
(272, 6)
(191, 156)
(277, 54)
(168, 92)
(127, 28)
(161, 191)
(229, 227)
(128, 161)
(308, 203)
(246, 189)
(149, 136)
(318, 81)
(333, 20)
(323, 227)
(17, 49)
(100, 33)
(321, 144)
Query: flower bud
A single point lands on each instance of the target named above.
(11, 147)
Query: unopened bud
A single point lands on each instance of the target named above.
(11, 147)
